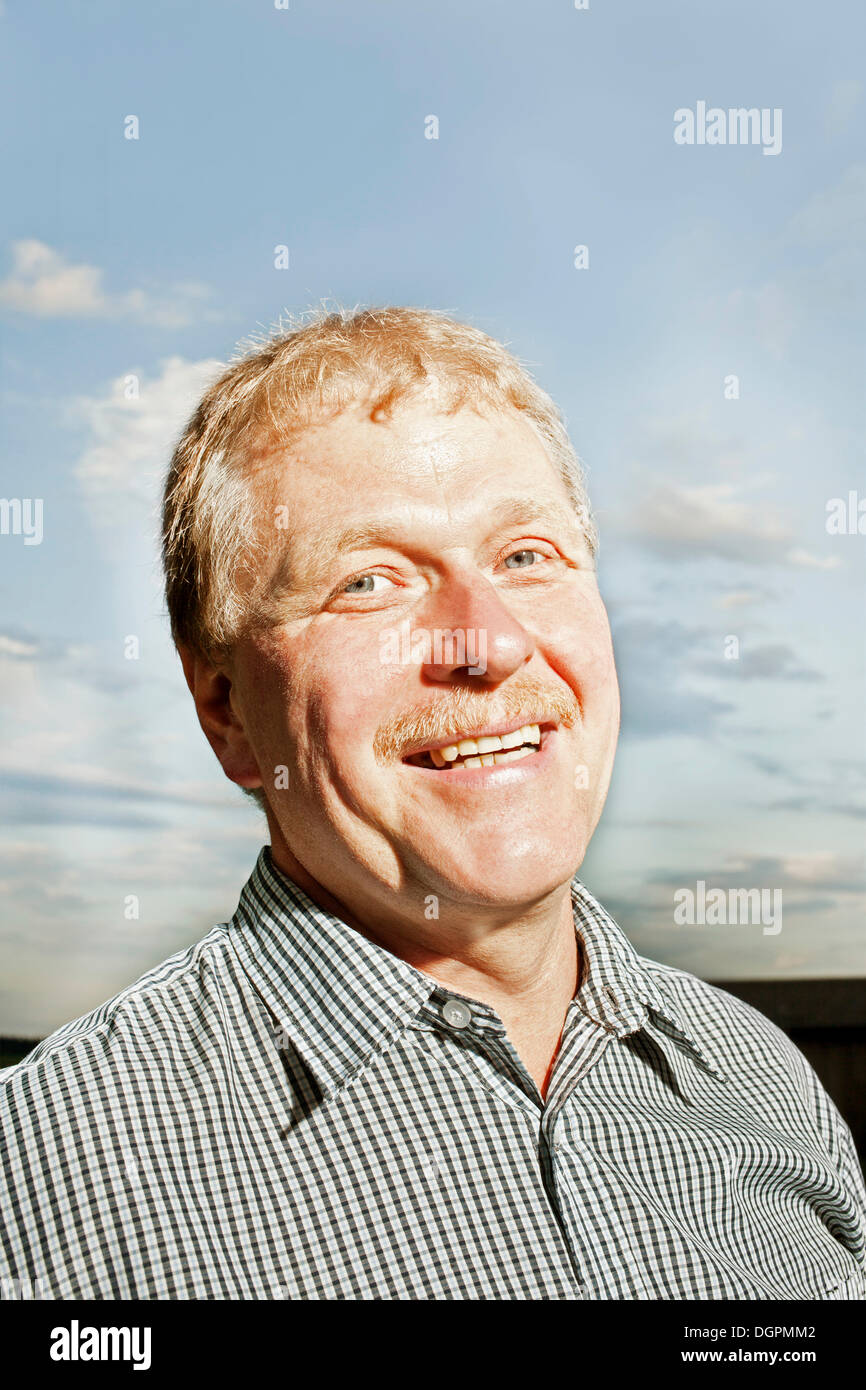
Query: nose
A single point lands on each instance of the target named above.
(472, 638)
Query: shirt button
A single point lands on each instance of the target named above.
(457, 1014)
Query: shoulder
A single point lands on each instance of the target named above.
(155, 1017)
(731, 1028)
(753, 1051)
(102, 1111)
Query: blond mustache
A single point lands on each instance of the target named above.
(528, 700)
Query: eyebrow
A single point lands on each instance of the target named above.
(510, 510)
(317, 553)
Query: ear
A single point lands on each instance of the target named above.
(211, 689)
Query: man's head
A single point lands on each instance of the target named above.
(377, 543)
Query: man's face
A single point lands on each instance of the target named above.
(417, 548)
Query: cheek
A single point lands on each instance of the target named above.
(578, 647)
(338, 697)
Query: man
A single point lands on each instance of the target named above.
(421, 1061)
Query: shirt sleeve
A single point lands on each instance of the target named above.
(838, 1138)
(830, 1128)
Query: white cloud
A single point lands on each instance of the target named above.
(740, 598)
(43, 283)
(836, 215)
(708, 519)
(14, 647)
(803, 559)
(779, 315)
(131, 440)
(114, 755)
(825, 869)
(677, 522)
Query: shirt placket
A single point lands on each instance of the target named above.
(571, 1175)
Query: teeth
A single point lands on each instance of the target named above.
(512, 755)
(489, 749)
(490, 743)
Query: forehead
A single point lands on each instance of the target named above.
(358, 463)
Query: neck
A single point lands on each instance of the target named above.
(522, 961)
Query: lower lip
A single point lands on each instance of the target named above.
(501, 775)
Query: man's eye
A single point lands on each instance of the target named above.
(523, 558)
(364, 584)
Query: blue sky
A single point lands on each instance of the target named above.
(306, 127)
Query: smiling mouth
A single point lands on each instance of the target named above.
(480, 750)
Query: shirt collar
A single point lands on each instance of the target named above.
(618, 990)
(338, 998)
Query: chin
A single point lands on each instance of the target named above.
(522, 873)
